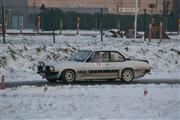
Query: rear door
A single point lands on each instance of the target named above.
(116, 64)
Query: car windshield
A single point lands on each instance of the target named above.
(80, 56)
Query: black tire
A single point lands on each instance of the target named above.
(69, 76)
(110, 80)
(127, 75)
(52, 80)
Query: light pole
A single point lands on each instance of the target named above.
(165, 12)
(135, 23)
(117, 17)
(118, 4)
(144, 24)
(3, 21)
(9, 18)
(101, 24)
(42, 8)
(52, 14)
(34, 10)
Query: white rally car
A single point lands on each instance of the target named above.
(94, 65)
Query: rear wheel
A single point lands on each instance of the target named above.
(69, 76)
(127, 75)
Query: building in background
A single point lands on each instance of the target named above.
(14, 9)
(29, 8)
(94, 5)
(177, 7)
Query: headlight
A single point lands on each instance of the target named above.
(51, 68)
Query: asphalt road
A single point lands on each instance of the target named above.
(85, 83)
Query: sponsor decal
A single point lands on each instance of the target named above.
(98, 64)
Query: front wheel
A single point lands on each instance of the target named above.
(127, 75)
(69, 76)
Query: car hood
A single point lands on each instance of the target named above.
(63, 63)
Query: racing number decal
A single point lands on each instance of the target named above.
(98, 64)
(84, 72)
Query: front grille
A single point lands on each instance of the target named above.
(47, 69)
(40, 69)
(43, 69)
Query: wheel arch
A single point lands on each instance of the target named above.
(121, 71)
(127, 68)
(64, 70)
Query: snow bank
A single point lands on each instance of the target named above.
(92, 102)
(18, 58)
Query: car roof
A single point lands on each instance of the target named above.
(96, 50)
(100, 50)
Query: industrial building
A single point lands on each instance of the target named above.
(29, 8)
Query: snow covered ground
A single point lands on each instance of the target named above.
(162, 102)
(18, 59)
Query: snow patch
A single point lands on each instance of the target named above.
(19, 57)
(92, 102)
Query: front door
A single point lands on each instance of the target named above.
(96, 66)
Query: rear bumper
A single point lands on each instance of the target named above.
(141, 73)
(147, 71)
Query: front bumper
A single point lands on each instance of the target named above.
(45, 72)
(50, 75)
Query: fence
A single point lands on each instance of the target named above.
(87, 21)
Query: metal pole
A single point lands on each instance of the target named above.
(61, 27)
(78, 19)
(135, 23)
(34, 10)
(96, 22)
(3, 23)
(160, 32)
(150, 32)
(117, 17)
(21, 21)
(178, 26)
(101, 21)
(53, 25)
(38, 23)
(37, 20)
(42, 25)
(165, 14)
(144, 24)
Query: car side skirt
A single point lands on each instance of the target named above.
(97, 74)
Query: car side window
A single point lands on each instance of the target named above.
(116, 57)
(99, 57)
(105, 56)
